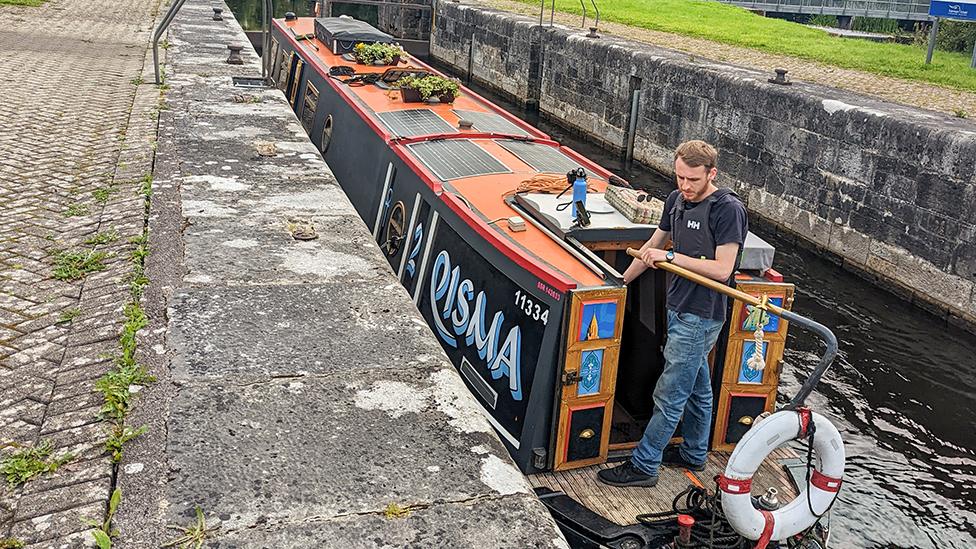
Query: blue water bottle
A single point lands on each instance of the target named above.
(579, 189)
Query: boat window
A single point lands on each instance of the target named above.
(454, 159)
(543, 158)
(490, 122)
(414, 122)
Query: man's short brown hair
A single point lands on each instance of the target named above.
(696, 153)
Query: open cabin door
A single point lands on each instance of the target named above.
(589, 377)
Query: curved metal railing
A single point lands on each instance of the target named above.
(830, 340)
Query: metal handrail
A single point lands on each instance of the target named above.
(828, 337)
(267, 9)
(163, 25)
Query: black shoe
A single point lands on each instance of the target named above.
(672, 458)
(626, 474)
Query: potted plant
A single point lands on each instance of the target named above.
(423, 88)
(378, 54)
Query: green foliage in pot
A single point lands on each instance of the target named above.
(371, 53)
(430, 85)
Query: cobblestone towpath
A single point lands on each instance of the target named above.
(76, 132)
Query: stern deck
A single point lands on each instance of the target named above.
(622, 505)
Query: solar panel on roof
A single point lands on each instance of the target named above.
(414, 122)
(541, 157)
(490, 122)
(454, 159)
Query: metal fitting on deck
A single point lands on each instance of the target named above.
(235, 54)
(216, 15)
(781, 78)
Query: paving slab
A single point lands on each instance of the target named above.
(258, 332)
(508, 523)
(350, 442)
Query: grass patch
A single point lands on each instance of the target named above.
(68, 315)
(191, 536)
(72, 265)
(23, 465)
(11, 543)
(739, 27)
(76, 210)
(32, 3)
(102, 238)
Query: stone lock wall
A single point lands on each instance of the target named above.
(887, 188)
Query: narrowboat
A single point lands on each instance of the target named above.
(525, 295)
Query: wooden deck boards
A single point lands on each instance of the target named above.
(622, 505)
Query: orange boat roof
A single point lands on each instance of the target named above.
(482, 197)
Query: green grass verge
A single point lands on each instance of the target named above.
(21, 2)
(736, 26)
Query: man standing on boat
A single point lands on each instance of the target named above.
(707, 227)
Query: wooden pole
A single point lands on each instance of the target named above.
(709, 283)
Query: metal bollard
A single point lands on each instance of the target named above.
(235, 54)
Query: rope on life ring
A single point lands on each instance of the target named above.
(824, 480)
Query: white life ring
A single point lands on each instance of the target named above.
(801, 513)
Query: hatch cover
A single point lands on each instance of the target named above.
(490, 122)
(454, 159)
(414, 122)
(542, 158)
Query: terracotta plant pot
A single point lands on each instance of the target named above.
(411, 95)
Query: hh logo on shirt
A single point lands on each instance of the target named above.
(696, 225)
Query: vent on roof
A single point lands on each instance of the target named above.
(414, 122)
(454, 159)
(490, 122)
(543, 158)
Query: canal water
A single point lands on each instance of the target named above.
(902, 390)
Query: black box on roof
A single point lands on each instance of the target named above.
(342, 34)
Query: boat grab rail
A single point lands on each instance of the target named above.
(174, 8)
(825, 334)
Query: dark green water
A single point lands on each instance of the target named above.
(248, 12)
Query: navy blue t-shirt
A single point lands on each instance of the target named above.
(728, 223)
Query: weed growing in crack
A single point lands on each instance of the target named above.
(137, 80)
(103, 532)
(76, 210)
(102, 194)
(68, 315)
(11, 543)
(145, 186)
(102, 238)
(72, 265)
(191, 536)
(394, 510)
(119, 436)
(23, 465)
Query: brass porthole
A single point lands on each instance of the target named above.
(326, 135)
(395, 229)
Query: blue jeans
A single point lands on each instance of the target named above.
(684, 388)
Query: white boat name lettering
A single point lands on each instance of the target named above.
(502, 357)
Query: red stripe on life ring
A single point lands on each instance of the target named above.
(825, 483)
(734, 486)
(806, 417)
(767, 533)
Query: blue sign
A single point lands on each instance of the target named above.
(953, 10)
